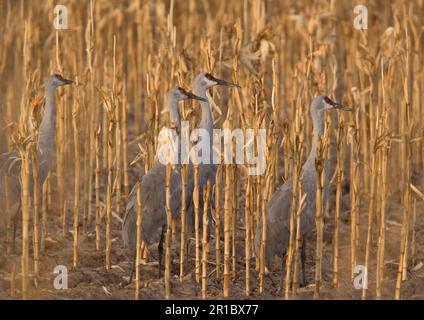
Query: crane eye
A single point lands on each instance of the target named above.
(328, 100)
(181, 90)
(209, 77)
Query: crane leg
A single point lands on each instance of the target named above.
(187, 249)
(303, 260)
(133, 267)
(160, 249)
(283, 273)
(15, 226)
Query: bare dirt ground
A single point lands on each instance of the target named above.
(91, 281)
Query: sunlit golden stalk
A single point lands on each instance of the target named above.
(406, 257)
(286, 151)
(354, 188)
(196, 196)
(168, 234)
(13, 281)
(118, 161)
(234, 224)
(183, 218)
(227, 227)
(252, 220)
(258, 203)
(406, 157)
(85, 199)
(76, 187)
(371, 209)
(105, 141)
(218, 221)
(64, 216)
(89, 204)
(339, 177)
(382, 180)
(264, 235)
(61, 149)
(319, 218)
(49, 194)
(8, 215)
(414, 231)
(382, 230)
(61, 163)
(403, 248)
(138, 244)
(26, 200)
(296, 176)
(247, 221)
(125, 146)
(173, 230)
(302, 199)
(44, 214)
(206, 198)
(109, 194)
(97, 186)
(92, 115)
(36, 211)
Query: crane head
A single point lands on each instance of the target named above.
(322, 103)
(56, 80)
(207, 80)
(183, 94)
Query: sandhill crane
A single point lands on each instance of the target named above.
(279, 206)
(153, 192)
(153, 183)
(9, 162)
(201, 84)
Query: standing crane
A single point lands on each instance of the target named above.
(201, 84)
(153, 192)
(9, 162)
(278, 208)
(153, 182)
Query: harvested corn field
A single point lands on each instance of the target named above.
(255, 149)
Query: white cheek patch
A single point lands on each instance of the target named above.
(328, 106)
(210, 83)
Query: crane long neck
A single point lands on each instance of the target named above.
(174, 117)
(318, 126)
(48, 123)
(173, 108)
(206, 119)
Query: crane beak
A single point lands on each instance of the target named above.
(341, 107)
(66, 82)
(226, 83)
(194, 97)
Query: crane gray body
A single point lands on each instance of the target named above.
(153, 192)
(10, 164)
(153, 182)
(278, 209)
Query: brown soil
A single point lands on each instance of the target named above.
(91, 281)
